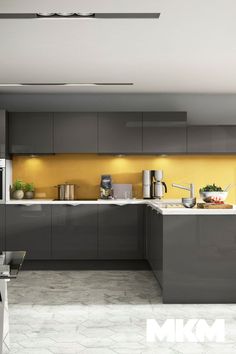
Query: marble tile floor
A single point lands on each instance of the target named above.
(101, 312)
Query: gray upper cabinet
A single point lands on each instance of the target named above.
(164, 132)
(2, 227)
(120, 132)
(31, 133)
(28, 228)
(3, 134)
(75, 133)
(74, 232)
(120, 232)
(212, 139)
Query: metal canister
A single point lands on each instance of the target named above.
(66, 191)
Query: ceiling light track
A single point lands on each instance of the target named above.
(80, 15)
(67, 84)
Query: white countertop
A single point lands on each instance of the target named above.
(164, 206)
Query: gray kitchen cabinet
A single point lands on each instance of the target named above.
(154, 242)
(74, 232)
(31, 133)
(164, 132)
(2, 227)
(120, 132)
(28, 228)
(120, 232)
(75, 132)
(3, 134)
(211, 139)
(199, 258)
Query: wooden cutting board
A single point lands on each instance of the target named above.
(214, 206)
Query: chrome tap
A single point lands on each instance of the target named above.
(190, 188)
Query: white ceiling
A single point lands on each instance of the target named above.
(191, 48)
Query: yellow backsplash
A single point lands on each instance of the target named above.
(85, 170)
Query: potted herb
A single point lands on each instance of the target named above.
(29, 190)
(18, 189)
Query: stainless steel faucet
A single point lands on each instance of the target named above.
(190, 188)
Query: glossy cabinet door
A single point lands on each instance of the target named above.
(120, 132)
(164, 132)
(199, 255)
(120, 232)
(3, 134)
(74, 232)
(75, 132)
(212, 139)
(31, 133)
(154, 241)
(28, 228)
(2, 227)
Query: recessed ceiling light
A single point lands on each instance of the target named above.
(46, 14)
(65, 14)
(79, 15)
(85, 14)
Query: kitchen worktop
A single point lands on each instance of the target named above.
(165, 206)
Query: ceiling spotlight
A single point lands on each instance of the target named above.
(65, 14)
(85, 14)
(46, 14)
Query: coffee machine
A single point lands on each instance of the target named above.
(153, 186)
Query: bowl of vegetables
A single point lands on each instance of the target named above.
(213, 194)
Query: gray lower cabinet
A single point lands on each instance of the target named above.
(154, 242)
(31, 133)
(74, 232)
(211, 139)
(199, 258)
(164, 132)
(28, 228)
(120, 232)
(2, 227)
(120, 132)
(75, 132)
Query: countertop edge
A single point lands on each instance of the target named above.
(159, 206)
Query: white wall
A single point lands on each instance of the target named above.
(201, 108)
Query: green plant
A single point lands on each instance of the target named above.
(29, 187)
(18, 185)
(211, 188)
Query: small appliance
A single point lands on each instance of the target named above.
(106, 190)
(153, 186)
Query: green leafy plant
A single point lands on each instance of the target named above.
(18, 185)
(29, 187)
(211, 188)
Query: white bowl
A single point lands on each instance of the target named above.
(209, 197)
